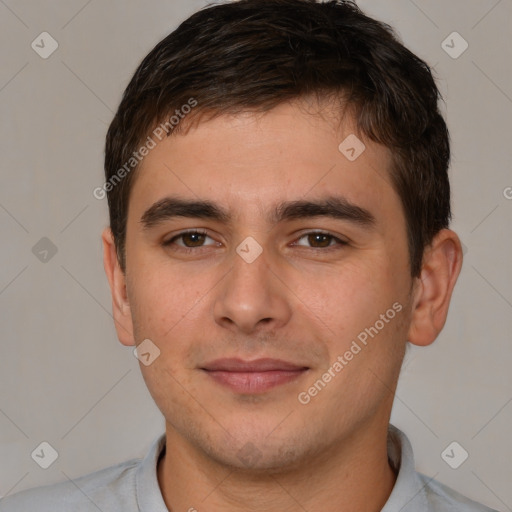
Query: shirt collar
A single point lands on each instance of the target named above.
(408, 491)
(149, 495)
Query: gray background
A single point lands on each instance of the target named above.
(64, 377)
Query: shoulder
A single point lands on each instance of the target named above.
(442, 498)
(415, 491)
(111, 488)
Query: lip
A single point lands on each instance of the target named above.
(249, 377)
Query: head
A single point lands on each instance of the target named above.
(304, 142)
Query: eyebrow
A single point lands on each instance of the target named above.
(337, 207)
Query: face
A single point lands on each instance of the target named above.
(280, 307)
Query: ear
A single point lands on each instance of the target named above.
(116, 278)
(441, 266)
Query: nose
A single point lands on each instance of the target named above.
(252, 297)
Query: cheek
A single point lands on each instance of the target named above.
(348, 296)
(161, 298)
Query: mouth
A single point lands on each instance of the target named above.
(250, 377)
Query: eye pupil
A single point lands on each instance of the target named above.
(197, 239)
(320, 238)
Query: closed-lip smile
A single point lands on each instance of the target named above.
(256, 376)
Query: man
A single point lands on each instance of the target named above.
(279, 208)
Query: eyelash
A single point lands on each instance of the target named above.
(339, 242)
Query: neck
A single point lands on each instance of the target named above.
(355, 474)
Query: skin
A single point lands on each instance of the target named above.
(299, 301)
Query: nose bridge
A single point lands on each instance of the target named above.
(251, 295)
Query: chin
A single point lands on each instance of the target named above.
(257, 459)
(255, 451)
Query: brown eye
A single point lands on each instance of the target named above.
(193, 239)
(189, 240)
(319, 240)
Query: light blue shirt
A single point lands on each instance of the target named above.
(132, 486)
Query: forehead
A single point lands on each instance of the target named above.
(251, 162)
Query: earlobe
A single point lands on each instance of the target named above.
(442, 262)
(120, 305)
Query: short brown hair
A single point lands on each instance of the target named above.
(252, 55)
